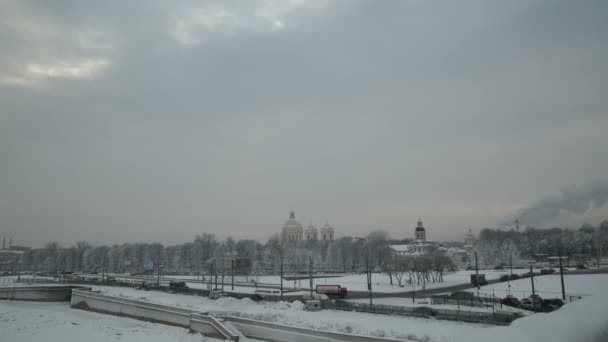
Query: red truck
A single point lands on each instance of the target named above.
(332, 290)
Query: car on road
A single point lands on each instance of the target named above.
(508, 277)
(529, 274)
(547, 271)
(511, 301)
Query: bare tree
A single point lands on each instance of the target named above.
(278, 247)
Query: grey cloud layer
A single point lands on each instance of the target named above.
(368, 113)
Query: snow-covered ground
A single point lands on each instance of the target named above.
(30, 321)
(585, 320)
(358, 282)
(399, 327)
(549, 286)
(398, 301)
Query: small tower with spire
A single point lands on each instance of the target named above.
(420, 231)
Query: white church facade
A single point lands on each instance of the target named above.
(293, 230)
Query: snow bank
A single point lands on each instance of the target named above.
(581, 321)
(57, 322)
(397, 327)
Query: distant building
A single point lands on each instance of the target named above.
(327, 233)
(293, 230)
(420, 246)
(469, 241)
(8, 259)
(311, 233)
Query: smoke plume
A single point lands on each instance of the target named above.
(564, 208)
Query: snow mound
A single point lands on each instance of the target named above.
(585, 320)
(294, 306)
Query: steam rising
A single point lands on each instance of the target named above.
(573, 201)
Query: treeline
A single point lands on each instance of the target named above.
(498, 246)
(342, 255)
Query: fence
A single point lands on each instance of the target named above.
(496, 318)
(471, 301)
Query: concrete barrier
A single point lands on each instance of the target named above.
(210, 326)
(39, 293)
(196, 322)
(208, 323)
(277, 332)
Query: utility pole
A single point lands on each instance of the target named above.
(532, 278)
(232, 271)
(476, 273)
(413, 291)
(310, 274)
(223, 272)
(281, 275)
(561, 274)
(103, 268)
(369, 281)
(158, 275)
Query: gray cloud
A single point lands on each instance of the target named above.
(367, 113)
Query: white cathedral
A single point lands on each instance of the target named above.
(293, 230)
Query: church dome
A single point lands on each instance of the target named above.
(292, 223)
(327, 228)
(419, 228)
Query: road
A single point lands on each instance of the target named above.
(365, 294)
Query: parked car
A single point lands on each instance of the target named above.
(581, 266)
(425, 310)
(508, 277)
(553, 301)
(526, 303)
(529, 274)
(178, 285)
(215, 294)
(534, 302)
(547, 271)
(479, 280)
(461, 295)
(144, 286)
(510, 301)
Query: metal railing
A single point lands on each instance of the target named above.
(496, 318)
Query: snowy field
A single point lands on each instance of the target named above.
(549, 286)
(358, 282)
(399, 327)
(29, 321)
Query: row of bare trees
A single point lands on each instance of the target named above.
(346, 254)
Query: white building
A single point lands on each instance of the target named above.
(420, 246)
(293, 230)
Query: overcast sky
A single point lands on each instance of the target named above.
(125, 121)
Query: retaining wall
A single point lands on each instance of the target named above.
(39, 293)
(196, 322)
(278, 332)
